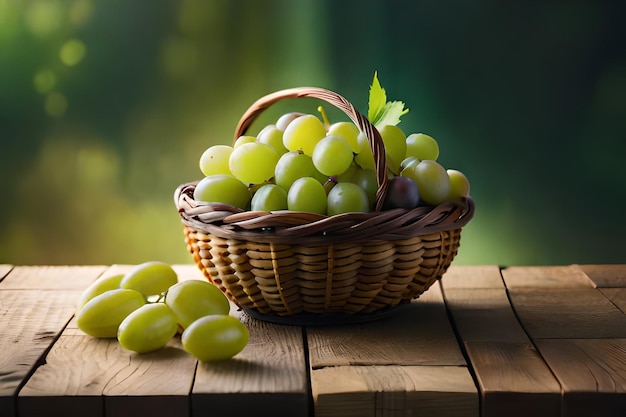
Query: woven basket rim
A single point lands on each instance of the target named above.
(286, 227)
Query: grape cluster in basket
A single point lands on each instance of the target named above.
(305, 163)
(146, 307)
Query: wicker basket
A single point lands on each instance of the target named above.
(294, 267)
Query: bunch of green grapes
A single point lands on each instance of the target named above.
(148, 306)
(305, 163)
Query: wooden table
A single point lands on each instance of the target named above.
(485, 341)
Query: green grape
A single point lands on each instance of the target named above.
(364, 158)
(150, 278)
(303, 133)
(348, 174)
(432, 181)
(367, 180)
(422, 146)
(99, 286)
(346, 197)
(321, 178)
(332, 155)
(348, 131)
(307, 194)
(215, 338)
(395, 146)
(148, 328)
(284, 120)
(408, 161)
(222, 188)
(291, 166)
(262, 131)
(102, 315)
(215, 160)
(243, 140)
(459, 185)
(272, 136)
(253, 163)
(194, 298)
(270, 197)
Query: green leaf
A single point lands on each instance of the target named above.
(382, 112)
(378, 98)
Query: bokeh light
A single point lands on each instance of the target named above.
(44, 17)
(44, 81)
(72, 52)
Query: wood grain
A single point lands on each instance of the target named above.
(617, 296)
(472, 276)
(35, 305)
(484, 315)
(420, 334)
(32, 321)
(51, 277)
(512, 377)
(559, 348)
(514, 380)
(364, 391)
(606, 275)
(568, 313)
(546, 277)
(592, 373)
(109, 378)
(106, 377)
(268, 378)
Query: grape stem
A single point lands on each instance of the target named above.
(324, 117)
(330, 183)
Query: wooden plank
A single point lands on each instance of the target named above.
(268, 378)
(484, 315)
(32, 321)
(37, 302)
(51, 277)
(606, 275)
(368, 391)
(592, 373)
(104, 376)
(546, 277)
(513, 379)
(568, 313)
(472, 276)
(419, 334)
(406, 363)
(108, 380)
(617, 297)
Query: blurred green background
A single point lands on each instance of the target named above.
(106, 107)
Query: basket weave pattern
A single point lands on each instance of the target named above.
(286, 263)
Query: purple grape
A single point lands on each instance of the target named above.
(402, 193)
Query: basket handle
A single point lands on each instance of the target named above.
(372, 134)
